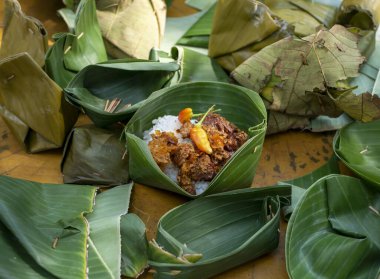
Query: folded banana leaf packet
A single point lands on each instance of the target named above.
(212, 234)
(239, 170)
(357, 146)
(32, 105)
(22, 33)
(112, 91)
(336, 217)
(81, 47)
(94, 156)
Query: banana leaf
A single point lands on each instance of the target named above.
(280, 122)
(199, 4)
(358, 147)
(131, 28)
(176, 27)
(301, 184)
(334, 231)
(199, 34)
(94, 156)
(242, 28)
(241, 106)
(195, 66)
(212, 234)
(55, 64)
(134, 245)
(364, 14)
(42, 229)
(306, 16)
(104, 250)
(72, 52)
(69, 17)
(22, 33)
(32, 105)
(130, 80)
(282, 74)
(251, 17)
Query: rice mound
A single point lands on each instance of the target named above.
(170, 123)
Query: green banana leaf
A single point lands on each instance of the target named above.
(131, 28)
(238, 171)
(364, 14)
(195, 66)
(94, 156)
(55, 64)
(212, 234)
(199, 34)
(104, 250)
(176, 27)
(22, 33)
(43, 231)
(72, 52)
(334, 231)
(357, 145)
(32, 105)
(199, 4)
(69, 17)
(134, 245)
(301, 184)
(130, 80)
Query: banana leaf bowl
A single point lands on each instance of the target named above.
(334, 231)
(239, 105)
(357, 145)
(212, 234)
(129, 80)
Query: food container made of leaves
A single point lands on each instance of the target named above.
(212, 234)
(239, 105)
(94, 156)
(357, 146)
(334, 231)
(129, 80)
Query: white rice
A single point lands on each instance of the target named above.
(170, 123)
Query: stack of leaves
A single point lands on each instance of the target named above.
(309, 76)
(71, 232)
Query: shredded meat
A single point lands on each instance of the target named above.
(194, 165)
(185, 129)
(182, 153)
(161, 147)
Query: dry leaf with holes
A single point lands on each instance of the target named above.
(310, 76)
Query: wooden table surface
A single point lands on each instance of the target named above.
(285, 156)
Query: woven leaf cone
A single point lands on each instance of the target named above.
(212, 234)
(94, 156)
(130, 27)
(130, 80)
(334, 231)
(357, 145)
(241, 106)
(32, 105)
(22, 33)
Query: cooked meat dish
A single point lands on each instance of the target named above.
(194, 165)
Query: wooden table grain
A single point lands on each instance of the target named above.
(285, 156)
